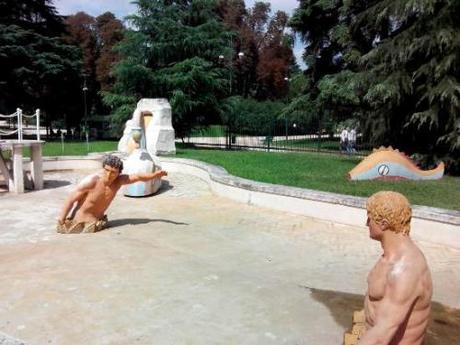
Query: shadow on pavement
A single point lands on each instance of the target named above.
(444, 327)
(136, 221)
(50, 184)
(47, 184)
(165, 186)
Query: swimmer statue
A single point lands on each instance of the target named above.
(94, 194)
(398, 299)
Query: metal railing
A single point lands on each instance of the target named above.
(276, 137)
(18, 114)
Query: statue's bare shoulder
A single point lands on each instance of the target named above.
(88, 183)
(402, 280)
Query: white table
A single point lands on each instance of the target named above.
(16, 179)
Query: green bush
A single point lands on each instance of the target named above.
(250, 117)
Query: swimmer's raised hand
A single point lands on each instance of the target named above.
(161, 173)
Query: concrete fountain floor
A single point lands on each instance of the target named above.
(188, 267)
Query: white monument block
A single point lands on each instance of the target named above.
(154, 116)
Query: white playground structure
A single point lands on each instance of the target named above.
(12, 169)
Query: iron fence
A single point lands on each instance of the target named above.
(281, 135)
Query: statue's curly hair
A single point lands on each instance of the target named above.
(113, 161)
(392, 207)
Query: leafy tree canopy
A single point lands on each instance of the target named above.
(37, 66)
(39, 16)
(173, 52)
(267, 47)
(393, 64)
(249, 116)
(95, 38)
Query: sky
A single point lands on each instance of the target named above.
(122, 8)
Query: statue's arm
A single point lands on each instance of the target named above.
(128, 179)
(77, 195)
(394, 309)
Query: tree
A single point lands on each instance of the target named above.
(250, 117)
(173, 53)
(81, 28)
(96, 38)
(408, 63)
(39, 16)
(319, 26)
(38, 68)
(109, 33)
(302, 107)
(81, 32)
(275, 59)
(268, 57)
(393, 64)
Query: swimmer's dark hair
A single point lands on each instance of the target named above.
(113, 161)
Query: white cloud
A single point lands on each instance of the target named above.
(120, 8)
(278, 5)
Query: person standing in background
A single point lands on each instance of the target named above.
(344, 140)
(352, 141)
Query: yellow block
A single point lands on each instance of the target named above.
(147, 118)
(358, 329)
(350, 339)
(359, 317)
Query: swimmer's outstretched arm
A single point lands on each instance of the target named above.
(128, 179)
(77, 195)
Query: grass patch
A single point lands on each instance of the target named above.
(324, 172)
(52, 148)
(329, 145)
(209, 131)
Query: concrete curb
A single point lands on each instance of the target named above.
(430, 224)
(221, 175)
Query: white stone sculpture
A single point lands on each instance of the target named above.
(123, 143)
(154, 116)
(140, 162)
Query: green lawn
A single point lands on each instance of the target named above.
(324, 172)
(76, 148)
(308, 143)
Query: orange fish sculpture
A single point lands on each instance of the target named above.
(389, 164)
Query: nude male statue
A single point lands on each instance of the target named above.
(94, 194)
(398, 300)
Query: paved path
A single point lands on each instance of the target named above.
(184, 267)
